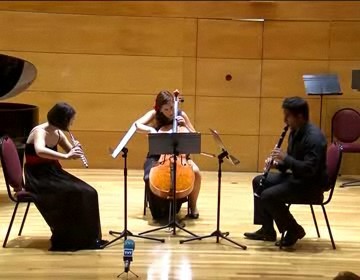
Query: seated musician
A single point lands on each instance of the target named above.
(302, 176)
(69, 205)
(157, 120)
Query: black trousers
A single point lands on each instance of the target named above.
(271, 204)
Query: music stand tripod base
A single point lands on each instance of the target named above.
(125, 233)
(217, 233)
(175, 144)
(127, 274)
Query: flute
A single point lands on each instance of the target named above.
(270, 162)
(83, 158)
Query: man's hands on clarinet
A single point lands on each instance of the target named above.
(278, 156)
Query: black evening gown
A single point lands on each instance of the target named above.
(69, 205)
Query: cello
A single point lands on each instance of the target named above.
(160, 178)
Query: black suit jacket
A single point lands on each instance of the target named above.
(306, 157)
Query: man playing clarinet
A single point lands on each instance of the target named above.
(302, 176)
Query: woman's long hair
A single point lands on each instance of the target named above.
(60, 115)
(163, 97)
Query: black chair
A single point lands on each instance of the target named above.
(334, 154)
(13, 174)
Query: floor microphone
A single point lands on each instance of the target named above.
(129, 247)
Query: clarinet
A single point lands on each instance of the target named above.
(83, 158)
(270, 162)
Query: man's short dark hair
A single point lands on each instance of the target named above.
(297, 106)
(60, 115)
(346, 275)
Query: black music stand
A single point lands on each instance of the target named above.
(217, 233)
(125, 232)
(323, 84)
(355, 79)
(175, 144)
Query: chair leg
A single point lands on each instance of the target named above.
(328, 226)
(10, 225)
(24, 218)
(315, 222)
(350, 184)
(145, 202)
(170, 210)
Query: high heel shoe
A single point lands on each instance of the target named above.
(193, 214)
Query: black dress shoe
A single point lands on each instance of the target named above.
(261, 235)
(100, 243)
(292, 236)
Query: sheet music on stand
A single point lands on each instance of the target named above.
(124, 141)
(322, 84)
(221, 145)
(355, 79)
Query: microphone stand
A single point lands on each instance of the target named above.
(127, 274)
(125, 232)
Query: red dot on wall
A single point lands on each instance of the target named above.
(228, 77)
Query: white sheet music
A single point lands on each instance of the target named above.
(124, 141)
(221, 145)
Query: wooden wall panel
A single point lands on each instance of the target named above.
(96, 147)
(244, 148)
(109, 59)
(266, 145)
(99, 112)
(245, 82)
(280, 10)
(104, 73)
(94, 34)
(188, 77)
(284, 77)
(296, 40)
(350, 97)
(230, 39)
(237, 116)
(345, 40)
(344, 71)
(350, 165)
(272, 118)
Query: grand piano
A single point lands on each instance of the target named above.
(16, 120)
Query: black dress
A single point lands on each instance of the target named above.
(69, 205)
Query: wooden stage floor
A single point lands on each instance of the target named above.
(27, 257)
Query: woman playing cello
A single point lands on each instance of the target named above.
(157, 120)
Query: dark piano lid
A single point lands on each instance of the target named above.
(16, 75)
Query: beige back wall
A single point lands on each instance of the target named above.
(110, 59)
